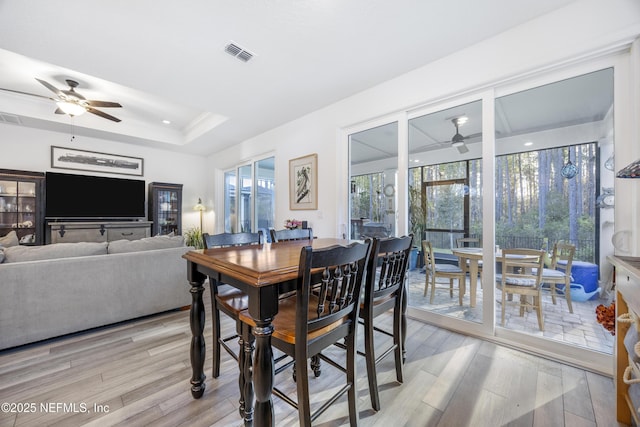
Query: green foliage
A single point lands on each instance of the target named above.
(528, 186)
(193, 237)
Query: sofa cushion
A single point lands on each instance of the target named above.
(56, 250)
(10, 239)
(1, 254)
(145, 244)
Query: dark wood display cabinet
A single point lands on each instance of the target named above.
(165, 208)
(21, 205)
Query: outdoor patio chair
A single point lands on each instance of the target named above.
(522, 274)
(560, 271)
(435, 271)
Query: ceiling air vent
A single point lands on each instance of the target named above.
(10, 118)
(239, 52)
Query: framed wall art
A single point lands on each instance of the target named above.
(303, 183)
(72, 158)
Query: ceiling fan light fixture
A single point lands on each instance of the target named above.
(457, 143)
(71, 108)
(459, 121)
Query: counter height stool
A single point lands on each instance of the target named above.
(286, 234)
(322, 311)
(226, 298)
(384, 291)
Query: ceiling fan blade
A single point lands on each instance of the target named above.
(27, 93)
(102, 114)
(50, 87)
(104, 104)
(462, 148)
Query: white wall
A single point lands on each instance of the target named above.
(583, 29)
(23, 148)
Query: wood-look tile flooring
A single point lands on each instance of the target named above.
(137, 374)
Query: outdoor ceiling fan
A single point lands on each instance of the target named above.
(458, 140)
(71, 102)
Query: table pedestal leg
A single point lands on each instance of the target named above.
(263, 375)
(197, 339)
(246, 375)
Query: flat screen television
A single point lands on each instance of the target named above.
(85, 197)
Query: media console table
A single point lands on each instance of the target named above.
(97, 231)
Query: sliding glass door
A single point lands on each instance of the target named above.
(523, 166)
(445, 206)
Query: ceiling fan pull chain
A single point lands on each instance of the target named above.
(73, 136)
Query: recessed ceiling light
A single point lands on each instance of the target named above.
(166, 122)
(528, 143)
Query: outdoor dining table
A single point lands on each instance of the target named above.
(260, 271)
(473, 256)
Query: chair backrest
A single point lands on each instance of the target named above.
(291, 234)
(387, 268)
(335, 288)
(374, 231)
(522, 267)
(468, 242)
(231, 239)
(429, 260)
(563, 252)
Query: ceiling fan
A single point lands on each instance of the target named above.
(458, 140)
(71, 102)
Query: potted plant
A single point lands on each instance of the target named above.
(193, 237)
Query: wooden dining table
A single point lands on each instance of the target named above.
(260, 271)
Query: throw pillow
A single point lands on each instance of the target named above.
(10, 239)
(1, 254)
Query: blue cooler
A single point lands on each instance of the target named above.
(584, 273)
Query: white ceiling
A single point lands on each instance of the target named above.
(165, 60)
(520, 117)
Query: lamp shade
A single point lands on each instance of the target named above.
(199, 206)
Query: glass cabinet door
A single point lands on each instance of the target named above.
(165, 208)
(20, 210)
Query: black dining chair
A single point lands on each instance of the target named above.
(286, 234)
(224, 297)
(384, 291)
(323, 310)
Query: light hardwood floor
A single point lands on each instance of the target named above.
(137, 374)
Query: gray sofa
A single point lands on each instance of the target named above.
(53, 290)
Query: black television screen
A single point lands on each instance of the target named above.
(92, 197)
